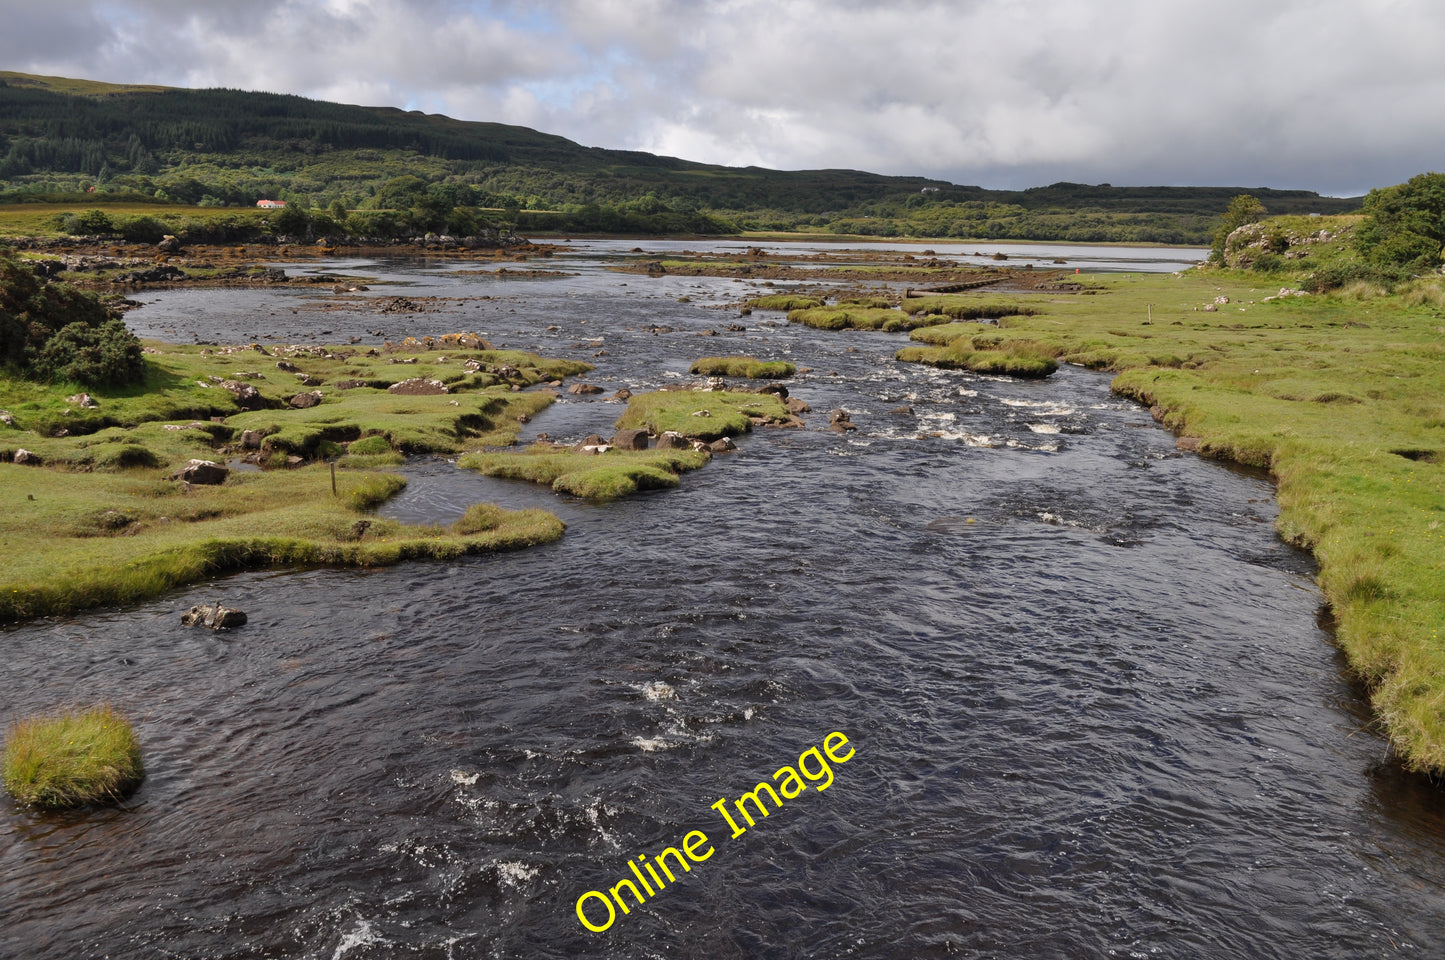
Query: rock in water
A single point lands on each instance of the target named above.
(215, 616)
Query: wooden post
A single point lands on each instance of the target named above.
(333, 479)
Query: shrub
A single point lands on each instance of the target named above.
(107, 355)
(143, 229)
(1405, 224)
(90, 347)
(72, 758)
(88, 223)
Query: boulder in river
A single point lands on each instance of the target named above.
(216, 616)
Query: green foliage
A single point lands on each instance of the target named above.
(1242, 209)
(105, 356)
(51, 331)
(72, 759)
(89, 223)
(1405, 224)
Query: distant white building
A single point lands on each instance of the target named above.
(269, 204)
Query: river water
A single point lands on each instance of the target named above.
(1091, 698)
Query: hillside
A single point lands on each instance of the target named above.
(222, 147)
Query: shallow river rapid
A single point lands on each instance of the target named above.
(1092, 701)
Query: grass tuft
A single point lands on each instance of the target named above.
(71, 759)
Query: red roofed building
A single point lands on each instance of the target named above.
(270, 203)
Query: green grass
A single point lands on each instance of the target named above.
(607, 476)
(98, 523)
(965, 307)
(861, 318)
(701, 414)
(1016, 359)
(481, 407)
(43, 219)
(743, 367)
(1341, 397)
(77, 540)
(785, 301)
(71, 759)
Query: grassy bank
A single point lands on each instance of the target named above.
(71, 759)
(96, 517)
(1341, 396)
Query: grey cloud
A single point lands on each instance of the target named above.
(1327, 95)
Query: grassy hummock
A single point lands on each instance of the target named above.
(701, 414)
(606, 476)
(71, 759)
(748, 367)
(966, 307)
(844, 317)
(784, 301)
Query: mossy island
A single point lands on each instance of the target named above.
(747, 368)
(72, 758)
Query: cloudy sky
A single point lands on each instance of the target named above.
(1336, 96)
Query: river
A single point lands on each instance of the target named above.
(1091, 698)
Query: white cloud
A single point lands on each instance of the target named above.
(1329, 95)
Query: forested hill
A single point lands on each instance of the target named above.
(230, 148)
